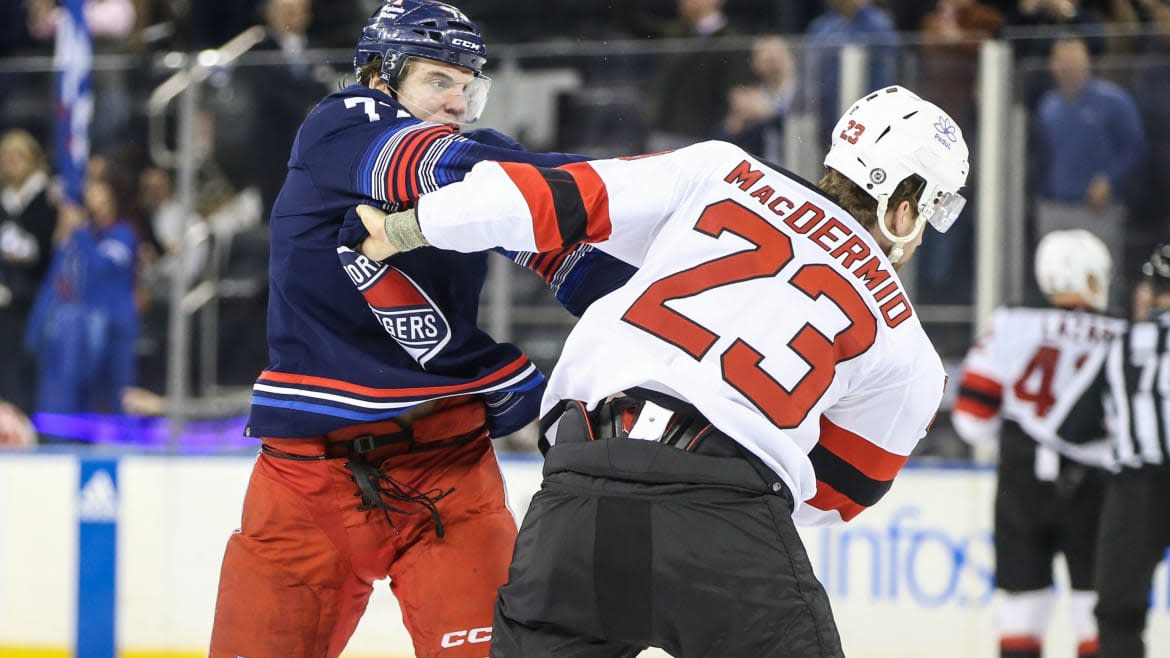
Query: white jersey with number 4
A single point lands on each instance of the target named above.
(757, 300)
(1032, 367)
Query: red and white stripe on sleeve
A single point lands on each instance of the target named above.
(620, 202)
(518, 206)
(569, 204)
(976, 415)
(853, 472)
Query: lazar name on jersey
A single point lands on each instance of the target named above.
(757, 300)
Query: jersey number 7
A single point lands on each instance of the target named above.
(740, 362)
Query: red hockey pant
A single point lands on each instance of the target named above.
(297, 575)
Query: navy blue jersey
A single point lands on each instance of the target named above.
(353, 341)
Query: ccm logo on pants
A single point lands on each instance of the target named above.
(473, 636)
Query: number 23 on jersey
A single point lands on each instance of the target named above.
(785, 407)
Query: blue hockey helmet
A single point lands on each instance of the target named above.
(402, 29)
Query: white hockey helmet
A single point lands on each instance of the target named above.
(1065, 261)
(892, 134)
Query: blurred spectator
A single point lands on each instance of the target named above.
(688, 97)
(1126, 19)
(15, 429)
(228, 202)
(14, 35)
(908, 14)
(1151, 90)
(1038, 21)
(333, 22)
(168, 224)
(755, 116)
(846, 22)
(156, 202)
(85, 322)
(27, 218)
(1090, 142)
(278, 91)
(1143, 12)
(111, 23)
(952, 35)
(107, 19)
(1033, 25)
(286, 24)
(234, 217)
(159, 256)
(203, 24)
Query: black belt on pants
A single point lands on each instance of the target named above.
(367, 457)
(687, 431)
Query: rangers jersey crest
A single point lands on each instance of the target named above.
(403, 308)
(331, 363)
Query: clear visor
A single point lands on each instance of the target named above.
(942, 213)
(436, 97)
(476, 94)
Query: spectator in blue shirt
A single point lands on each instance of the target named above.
(845, 22)
(1091, 142)
(85, 320)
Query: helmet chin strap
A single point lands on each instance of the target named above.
(898, 248)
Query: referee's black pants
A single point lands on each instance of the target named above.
(633, 543)
(1134, 535)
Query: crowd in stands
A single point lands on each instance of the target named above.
(1099, 149)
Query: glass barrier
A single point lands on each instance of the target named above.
(775, 96)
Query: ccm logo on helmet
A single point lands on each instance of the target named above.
(460, 638)
(465, 43)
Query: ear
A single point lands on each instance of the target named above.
(902, 220)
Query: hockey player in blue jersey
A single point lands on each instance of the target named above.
(376, 409)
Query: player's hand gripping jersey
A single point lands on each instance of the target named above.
(1031, 368)
(757, 300)
(334, 363)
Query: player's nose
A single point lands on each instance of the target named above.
(456, 103)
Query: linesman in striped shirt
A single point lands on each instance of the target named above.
(1134, 530)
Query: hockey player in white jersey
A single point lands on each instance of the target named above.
(763, 365)
(1020, 387)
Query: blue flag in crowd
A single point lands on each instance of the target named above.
(73, 108)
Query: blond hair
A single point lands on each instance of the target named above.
(24, 140)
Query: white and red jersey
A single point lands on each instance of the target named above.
(1032, 367)
(757, 300)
